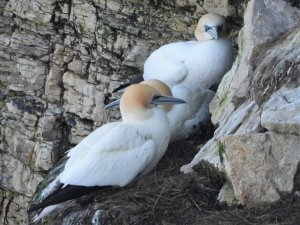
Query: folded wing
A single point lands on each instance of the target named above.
(106, 162)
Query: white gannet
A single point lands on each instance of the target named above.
(181, 125)
(200, 63)
(190, 69)
(117, 153)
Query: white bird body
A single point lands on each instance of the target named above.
(103, 159)
(198, 64)
(187, 119)
(190, 69)
(117, 153)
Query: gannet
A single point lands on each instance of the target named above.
(200, 63)
(117, 153)
(176, 114)
(190, 69)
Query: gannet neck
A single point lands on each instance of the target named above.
(211, 26)
(162, 88)
(135, 102)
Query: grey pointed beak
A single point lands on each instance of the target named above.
(158, 100)
(213, 32)
(113, 105)
(165, 100)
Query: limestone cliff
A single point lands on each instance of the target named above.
(60, 59)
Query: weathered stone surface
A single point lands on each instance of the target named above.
(79, 131)
(27, 75)
(268, 60)
(18, 145)
(227, 196)
(219, 6)
(279, 67)
(15, 212)
(60, 59)
(281, 113)
(264, 20)
(30, 43)
(245, 119)
(83, 14)
(40, 11)
(262, 166)
(17, 177)
(83, 99)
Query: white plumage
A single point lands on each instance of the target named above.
(119, 152)
(116, 153)
(190, 69)
(115, 162)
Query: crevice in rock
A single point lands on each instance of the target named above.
(6, 222)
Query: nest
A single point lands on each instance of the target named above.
(167, 197)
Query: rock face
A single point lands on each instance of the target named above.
(256, 109)
(59, 60)
(281, 112)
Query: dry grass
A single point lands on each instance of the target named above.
(167, 197)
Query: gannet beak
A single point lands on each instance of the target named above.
(113, 105)
(164, 100)
(214, 32)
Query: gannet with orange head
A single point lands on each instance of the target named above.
(118, 153)
(192, 70)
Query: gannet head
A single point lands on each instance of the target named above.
(137, 101)
(211, 26)
(162, 88)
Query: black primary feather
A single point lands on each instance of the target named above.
(69, 192)
(139, 78)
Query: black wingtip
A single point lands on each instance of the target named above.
(121, 87)
(139, 78)
(69, 192)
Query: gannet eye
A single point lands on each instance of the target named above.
(206, 28)
(220, 28)
(155, 97)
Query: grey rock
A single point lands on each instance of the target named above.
(260, 167)
(219, 6)
(40, 11)
(244, 119)
(16, 205)
(18, 145)
(83, 99)
(60, 59)
(268, 60)
(27, 75)
(263, 21)
(227, 196)
(75, 66)
(281, 112)
(30, 43)
(18, 177)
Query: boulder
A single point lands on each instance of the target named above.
(259, 93)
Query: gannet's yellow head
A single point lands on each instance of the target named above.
(137, 101)
(162, 88)
(211, 26)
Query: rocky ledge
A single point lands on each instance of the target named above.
(60, 59)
